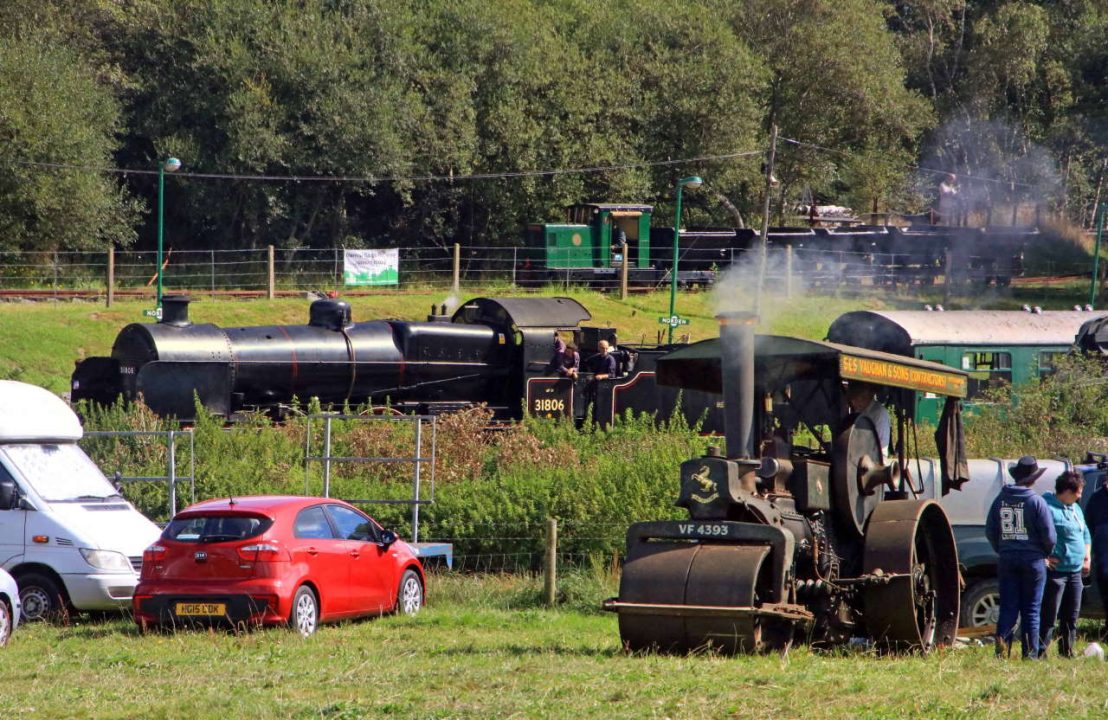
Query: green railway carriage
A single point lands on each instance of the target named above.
(995, 347)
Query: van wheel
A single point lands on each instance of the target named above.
(981, 603)
(5, 622)
(409, 598)
(40, 597)
(305, 611)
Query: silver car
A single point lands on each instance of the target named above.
(9, 607)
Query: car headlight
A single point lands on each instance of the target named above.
(107, 560)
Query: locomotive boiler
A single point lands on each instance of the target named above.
(783, 542)
(495, 351)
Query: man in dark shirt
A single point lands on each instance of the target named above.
(603, 365)
(1020, 528)
(1096, 518)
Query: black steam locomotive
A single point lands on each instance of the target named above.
(496, 351)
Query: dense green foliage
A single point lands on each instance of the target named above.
(1010, 94)
(1065, 415)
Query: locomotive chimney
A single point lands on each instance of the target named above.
(736, 337)
(175, 310)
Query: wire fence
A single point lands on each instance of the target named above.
(523, 548)
(261, 270)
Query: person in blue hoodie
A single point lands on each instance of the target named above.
(1020, 528)
(1096, 517)
(1066, 565)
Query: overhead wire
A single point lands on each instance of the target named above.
(398, 178)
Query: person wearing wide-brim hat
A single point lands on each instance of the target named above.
(1020, 528)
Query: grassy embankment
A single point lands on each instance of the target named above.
(485, 649)
(39, 341)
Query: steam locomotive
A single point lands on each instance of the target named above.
(496, 351)
(597, 239)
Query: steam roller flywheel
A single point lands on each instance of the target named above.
(855, 448)
(687, 575)
(916, 607)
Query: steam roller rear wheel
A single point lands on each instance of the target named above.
(917, 609)
(694, 574)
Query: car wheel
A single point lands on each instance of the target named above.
(305, 611)
(40, 597)
(981, 604)
(409, 599)
(5, 622)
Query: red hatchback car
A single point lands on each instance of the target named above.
(275, 560)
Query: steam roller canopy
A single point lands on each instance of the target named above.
(680, 575)
(912, 542)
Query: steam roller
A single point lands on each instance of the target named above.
(804, 531)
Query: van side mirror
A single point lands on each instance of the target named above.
(9, 498)
(388, 537)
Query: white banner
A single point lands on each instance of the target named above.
(371, 267)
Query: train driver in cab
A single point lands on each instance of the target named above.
(603, 365)
(566, 362)
(862, 399)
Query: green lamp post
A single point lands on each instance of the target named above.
(691, 182)
(1096, 252)
(170, 164)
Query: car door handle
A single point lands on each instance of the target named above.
(312, 551)
(355, 554)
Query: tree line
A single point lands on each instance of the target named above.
(363, 123)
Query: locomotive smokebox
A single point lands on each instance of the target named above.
(736, 336)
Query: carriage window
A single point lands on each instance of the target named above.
(1048, 362)
(987, 370)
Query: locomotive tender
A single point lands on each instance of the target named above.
(785, 542)
(495, 351)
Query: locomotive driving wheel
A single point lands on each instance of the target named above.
(912, 600)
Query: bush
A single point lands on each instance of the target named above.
(1066, 414)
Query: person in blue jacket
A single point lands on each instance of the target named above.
(1020, 528)
(1066, 565)
(1096, 517)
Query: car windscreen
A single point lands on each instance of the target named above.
(216, 528)
(58, 473)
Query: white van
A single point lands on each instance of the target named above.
(66, 536)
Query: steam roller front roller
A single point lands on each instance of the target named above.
(682, 596)
(912, 544)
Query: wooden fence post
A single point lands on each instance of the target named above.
(270, 290)
(789, 270)
(457, 267)
(623, 272)
(948, 279)
(111, 276)
(550, 585)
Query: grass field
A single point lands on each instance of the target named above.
(485, 649)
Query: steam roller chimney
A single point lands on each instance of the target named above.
(736, 337)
